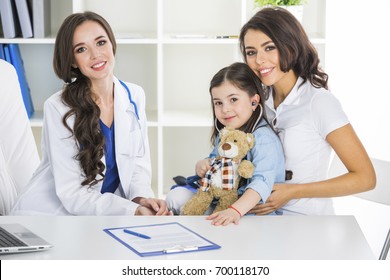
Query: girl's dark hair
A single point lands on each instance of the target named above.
(78, 96)
(241, 76)
(295, 50)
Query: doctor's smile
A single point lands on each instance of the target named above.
(99, 66)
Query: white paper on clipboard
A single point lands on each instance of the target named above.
(165, 238)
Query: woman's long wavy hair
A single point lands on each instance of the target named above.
(77, 95)
(295, 50)
(241, 76)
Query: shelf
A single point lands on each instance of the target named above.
(209, 40)
(317, 39)
(136, 41)
(188, 118)
(120, 39)
(36, 120)
(27, 41)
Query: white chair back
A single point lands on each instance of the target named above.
(18, 152)
(381, 193)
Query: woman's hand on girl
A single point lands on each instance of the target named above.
(281, 194)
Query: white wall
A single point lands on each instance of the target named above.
(358, 63)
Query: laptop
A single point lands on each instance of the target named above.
(15, 238)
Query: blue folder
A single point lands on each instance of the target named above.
(12, 55)
(2, 52)
(160, 239)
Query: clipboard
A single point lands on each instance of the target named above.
(166, 238)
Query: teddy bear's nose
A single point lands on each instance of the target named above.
(226, 146)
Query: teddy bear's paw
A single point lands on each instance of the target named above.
(246, 169)
(198, 204)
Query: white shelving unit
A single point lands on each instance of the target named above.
(168, 47)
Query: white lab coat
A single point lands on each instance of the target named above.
(55, 188)
(18, 153)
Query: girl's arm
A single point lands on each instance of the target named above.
(239, 208)
(359, 178)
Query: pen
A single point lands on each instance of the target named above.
(136, 234)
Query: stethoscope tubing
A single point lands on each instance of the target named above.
(131, 100)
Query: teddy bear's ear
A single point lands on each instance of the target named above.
(224, 131)
(250, 139)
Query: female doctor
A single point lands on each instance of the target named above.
(95, 147)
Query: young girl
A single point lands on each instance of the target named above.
(308, 118)
(238, 102)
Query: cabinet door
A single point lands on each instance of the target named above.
(183, 147)
(201, 17)
(127, 18)
(187, 72)
(137, 63)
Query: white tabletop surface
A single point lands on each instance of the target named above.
(263, 238)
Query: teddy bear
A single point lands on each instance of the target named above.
(221, 180)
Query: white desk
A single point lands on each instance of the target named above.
(270, 238)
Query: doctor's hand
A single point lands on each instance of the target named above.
(202, 166)
(143, 211)
(281, 194)
(152, 206)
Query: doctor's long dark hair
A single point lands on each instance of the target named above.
(78, 96)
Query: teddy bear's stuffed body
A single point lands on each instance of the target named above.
(221, 180)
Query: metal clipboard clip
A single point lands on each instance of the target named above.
(180, 248)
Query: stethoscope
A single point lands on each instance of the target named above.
(131, 100)
(141, 153)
